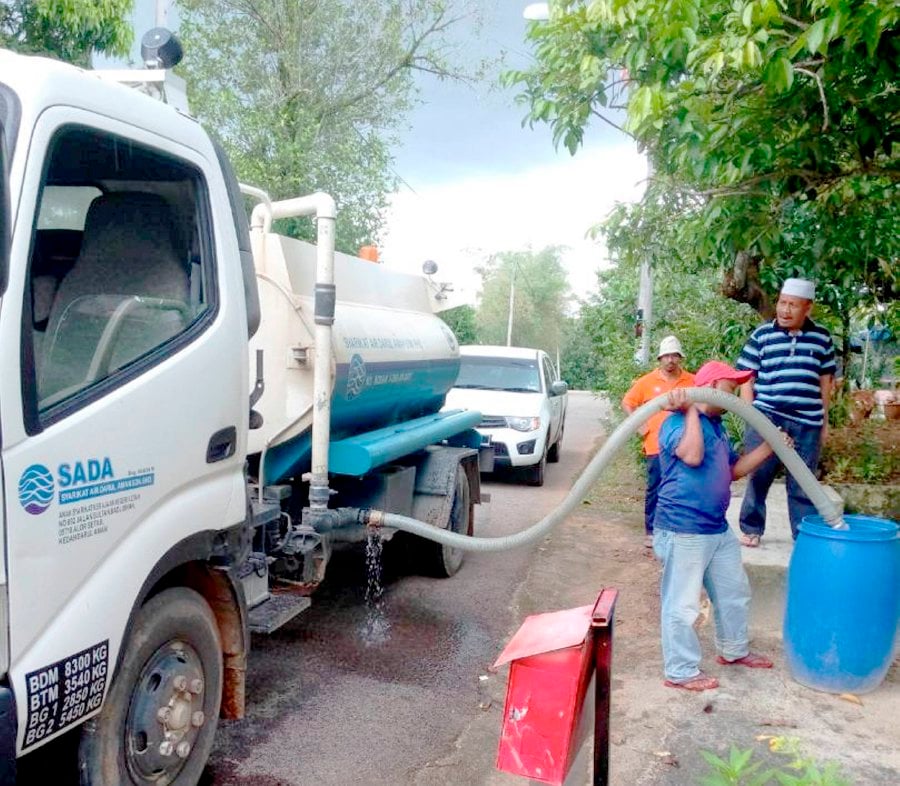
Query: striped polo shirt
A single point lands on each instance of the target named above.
(787, 368)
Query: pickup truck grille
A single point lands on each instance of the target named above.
(500, 449)
(492, 421)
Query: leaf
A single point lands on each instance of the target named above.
(814, 36)
(747, 16)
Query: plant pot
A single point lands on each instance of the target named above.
(892, 410)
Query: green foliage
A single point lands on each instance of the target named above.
(863, 453)
(772, 130)
(541, 295)
(66, 29)
(309, 95)
(461, 321)
(580, 365)
(687, 305)
(740, 769)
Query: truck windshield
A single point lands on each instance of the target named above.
(495, 373)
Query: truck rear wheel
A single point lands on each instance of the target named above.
(160, 716)
(445, 561)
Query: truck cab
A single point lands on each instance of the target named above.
(123, 411)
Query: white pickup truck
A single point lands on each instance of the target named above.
(523, 401)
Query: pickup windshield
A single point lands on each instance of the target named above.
(516, 375)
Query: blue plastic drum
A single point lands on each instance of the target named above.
(843, 604)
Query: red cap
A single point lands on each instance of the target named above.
(712, 372)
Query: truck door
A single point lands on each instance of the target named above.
(124, 432)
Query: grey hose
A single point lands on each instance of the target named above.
(829, 508)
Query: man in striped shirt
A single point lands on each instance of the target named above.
(792, 360)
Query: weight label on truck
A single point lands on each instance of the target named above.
(64, 692)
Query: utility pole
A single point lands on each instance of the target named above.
(645, 291)
(162, 12)
(512, 301)
(645, 308)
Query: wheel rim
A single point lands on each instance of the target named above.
(166, 713)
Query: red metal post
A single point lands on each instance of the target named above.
(602, 632)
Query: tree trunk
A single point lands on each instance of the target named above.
(741, 283)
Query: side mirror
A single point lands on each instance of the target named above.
(559, 388)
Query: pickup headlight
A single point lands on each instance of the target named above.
(524, 424)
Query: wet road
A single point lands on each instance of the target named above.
(328, 705)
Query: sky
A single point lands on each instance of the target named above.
(475, 182)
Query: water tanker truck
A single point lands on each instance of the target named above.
(195, 413)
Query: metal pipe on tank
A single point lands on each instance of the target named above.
(322, 207)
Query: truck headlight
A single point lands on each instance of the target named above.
(523, 424)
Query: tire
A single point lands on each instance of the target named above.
(536, 472)
(174, 636)
(553, 453)
(445, 561)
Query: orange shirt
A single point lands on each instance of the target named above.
(647, 388)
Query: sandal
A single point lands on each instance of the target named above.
(648, 541)
(696, 684)
(750, 541)
(751, 660)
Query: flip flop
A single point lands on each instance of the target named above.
(751, 660)
(750, 541)
(696, 684)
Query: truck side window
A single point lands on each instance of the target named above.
(120, 272)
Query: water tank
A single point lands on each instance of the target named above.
(394, 359)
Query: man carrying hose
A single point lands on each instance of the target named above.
(691, 536)
(791, 360)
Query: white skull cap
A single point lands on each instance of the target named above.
(799, 287)
(670, 346)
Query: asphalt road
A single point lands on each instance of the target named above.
(334, 701)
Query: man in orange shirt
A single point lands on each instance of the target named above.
(661, 380)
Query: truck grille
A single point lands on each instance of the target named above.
(492, 421)
(500, 449)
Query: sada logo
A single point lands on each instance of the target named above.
(356, 377)
(36, 489)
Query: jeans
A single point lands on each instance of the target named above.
(807, 440)
(692, 563)
(654, 475)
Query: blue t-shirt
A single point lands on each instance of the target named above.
(693, 500)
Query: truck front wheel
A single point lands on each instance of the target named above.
(159, 719)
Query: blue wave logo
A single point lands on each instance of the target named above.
(356, 377)
(36, 489)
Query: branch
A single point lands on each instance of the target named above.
(815, 75)
(606, 120)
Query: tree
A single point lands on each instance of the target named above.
(772, 129)
(309, 95)
(461, 320)
(541, 295)
(687, 305)
(66, 29)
